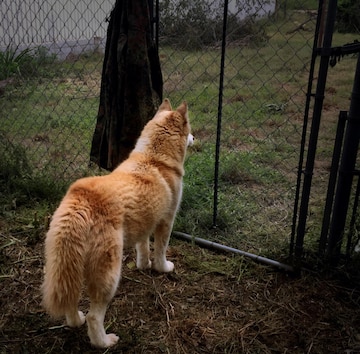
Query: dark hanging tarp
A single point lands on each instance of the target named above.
(131, 83)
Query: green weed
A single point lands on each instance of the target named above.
(11, 62)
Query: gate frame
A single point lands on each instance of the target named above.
(344, 153)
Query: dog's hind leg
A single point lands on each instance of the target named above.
(143, 254)
(161, 241)
(102, 278)
(96, 330)
(74, 318)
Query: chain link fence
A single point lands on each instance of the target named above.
(50, 70)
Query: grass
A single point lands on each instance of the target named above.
(55, 117)
(261, 124)
(50, 117)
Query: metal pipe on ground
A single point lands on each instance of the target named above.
(219, 247)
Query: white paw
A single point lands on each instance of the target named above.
(109, 340)
(77, 321)
(169, 266)
(82, 318)
(144, 264)
(165, 267)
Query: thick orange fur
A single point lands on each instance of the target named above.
(100, 215)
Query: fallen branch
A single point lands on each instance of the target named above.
(300, 27)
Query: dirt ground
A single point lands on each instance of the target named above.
(212, 303)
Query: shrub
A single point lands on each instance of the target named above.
(194, 24)
(348, 16)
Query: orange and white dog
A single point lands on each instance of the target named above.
(99, 216)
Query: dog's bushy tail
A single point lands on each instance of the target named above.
(65, 256)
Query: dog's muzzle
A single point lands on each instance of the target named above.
(190, 140)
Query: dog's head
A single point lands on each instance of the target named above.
(168, 133)
(178, 119)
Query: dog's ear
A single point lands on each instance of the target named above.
(183, 110)
(165, 106)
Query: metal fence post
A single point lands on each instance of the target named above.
(346, 171)
(218, 129)
(313, 139)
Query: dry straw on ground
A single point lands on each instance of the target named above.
(212, 303)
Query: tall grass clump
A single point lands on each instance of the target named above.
(18, 181)
(24, 63)
(11, 62)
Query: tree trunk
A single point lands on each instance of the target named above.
(131, 83)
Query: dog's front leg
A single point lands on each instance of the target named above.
(161, 241)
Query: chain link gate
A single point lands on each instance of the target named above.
(240, 181)
(245, 118)
(342, 170)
